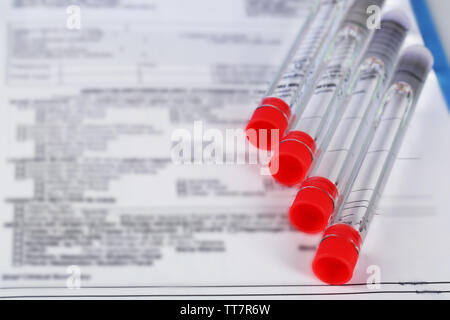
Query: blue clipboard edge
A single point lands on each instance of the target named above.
(433, 43)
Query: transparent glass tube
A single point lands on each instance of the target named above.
(296, 76)
(360, 116)
(346, 141)
(342, 147)
(333, 81)
(324, 122)
(338, 252)
(367, 187)
(305, 56)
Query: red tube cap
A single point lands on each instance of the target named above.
(292, 160)
(272, 114)
(337, 254)
(314, 204)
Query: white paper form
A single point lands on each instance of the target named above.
(88, 180)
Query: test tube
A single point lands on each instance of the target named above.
(338, 251)
(346, 147)
(281, 101)
(297, 149)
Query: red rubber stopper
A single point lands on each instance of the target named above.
(337, 254)
(272, 114)
(292, 160)
(313, 205)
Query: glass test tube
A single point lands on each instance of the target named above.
(338, 252)
(347, 141)
(282, 99)
(298, 149)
